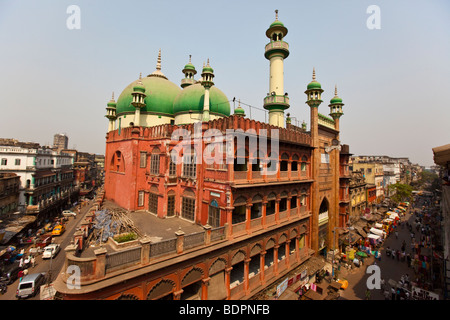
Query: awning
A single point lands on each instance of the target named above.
(373, 236)
(377, 231)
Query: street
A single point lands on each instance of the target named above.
(57, 262)
(391, 268)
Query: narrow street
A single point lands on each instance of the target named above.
(391, 268)
(56, 263)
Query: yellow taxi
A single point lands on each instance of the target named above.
(58, 230)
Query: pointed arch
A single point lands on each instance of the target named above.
(161, 289)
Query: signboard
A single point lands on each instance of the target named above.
(421, 294)
(282, 287)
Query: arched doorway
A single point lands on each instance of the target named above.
(323, 226)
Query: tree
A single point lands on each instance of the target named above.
(402, 192)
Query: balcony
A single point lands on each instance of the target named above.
(276, 47)
(276, 102)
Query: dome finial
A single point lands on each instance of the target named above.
(335, 90)
(158, 64)
(190, 58)
(112, 97)
(314, 74)
(276, 14)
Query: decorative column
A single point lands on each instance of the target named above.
(227, 282)
(246, 273)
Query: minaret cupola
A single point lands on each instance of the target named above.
(314, 92)
(189, 72)
(111, 113)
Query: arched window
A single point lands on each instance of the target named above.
(294, 164)
(117, 162)
(188, 205)
(154, 162)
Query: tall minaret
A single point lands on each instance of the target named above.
(111, 113)
(314, 95)
(336, 108)
(207, 83)
(276, 51)
(138, 99)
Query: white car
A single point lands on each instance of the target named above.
(51, 251)
(68, 213)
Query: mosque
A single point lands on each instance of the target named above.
(257, 219)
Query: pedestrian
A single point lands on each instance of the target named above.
(33, 261)
(20, 275)
(396, 234)
(408, 260)
(392, 294)
(386, 295)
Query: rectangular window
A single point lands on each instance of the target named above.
(153, 203)
(17, 162)
(141, 199)
(170, 206)
(4, 161)
(154, 164)
(172, 168)
(214, 217)
(188, 208)
(143, 160)
(189, 166)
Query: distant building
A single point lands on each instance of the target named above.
(46, 176)
(60, 141)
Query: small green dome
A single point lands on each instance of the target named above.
(239, 111)
(336, 99)
(160, 92)
(188, 67)
(111, 104)
(191, 98)
(139, 87)
(207, 69)
(277, 23)
(314, 85)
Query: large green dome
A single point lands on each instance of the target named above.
(192, 99)
(160, 95)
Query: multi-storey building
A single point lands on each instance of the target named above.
(9, 193)
(245, 201)
(358, 195)
(46, 176)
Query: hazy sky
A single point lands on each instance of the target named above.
(394, 81)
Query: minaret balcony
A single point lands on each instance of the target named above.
(280, 47)
(276, 102)
(186, 82)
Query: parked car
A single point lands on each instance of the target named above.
(30, 285)
(10, 273)
(58, 230)
(51, 251)
(68, 213)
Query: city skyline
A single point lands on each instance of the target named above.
(392, 80)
